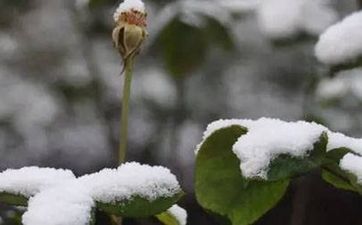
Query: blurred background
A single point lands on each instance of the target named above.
(60, 92)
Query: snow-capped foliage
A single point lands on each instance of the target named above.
(68, 204)
(58, 198)
(179, 213)
(267, 138)
(130, 180)
(342, 42)
(28, 181)
(352, 164)
(129, 5)
(282, 19)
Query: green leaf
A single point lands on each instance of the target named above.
(333, 174)
(335, 155)
(183, 47)
(167, 218)
(286, 166)
(140, 207)
(220, 186)
(218, 34)
(12, 199)
(337, 181)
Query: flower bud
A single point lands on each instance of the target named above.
(130, 30)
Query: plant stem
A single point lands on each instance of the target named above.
(125, 108)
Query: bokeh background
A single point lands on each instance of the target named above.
(60, 93)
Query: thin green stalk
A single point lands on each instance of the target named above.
(125, 108)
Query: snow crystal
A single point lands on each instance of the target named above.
(267, 138)
(179, 213)
(280, 19)
(69, 204)
(352, 164)
(29, 181)
(128, 5)
(338, 140)
(130, 180)
(341, 42)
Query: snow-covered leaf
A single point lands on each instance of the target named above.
(56, 197)
(286, 166)
(220, 187)
(133, 190)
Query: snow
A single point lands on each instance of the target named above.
(179, 213)
(131, 180)
(280, 19)
(338, 140)
(28, 181)
(352, 164)
(266, 139)
(342, 42)
(129, 5)
(68, 204)
(58, 198)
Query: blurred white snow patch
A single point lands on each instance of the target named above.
(188, 136)
(338, 140)
(282, 19)
(332, 88)
(346, 82)
(76, 73)
(69, 204)
(8, 45)
(352, 164)
(179, 213)
(266, 139)
(142, 128)
(239, 6)
(29, 104)
(28, 181)
(82, 138)
(129, 5)
(342, 42)
(156, 86)
(131, 180)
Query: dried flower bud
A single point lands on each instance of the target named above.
(130, 30)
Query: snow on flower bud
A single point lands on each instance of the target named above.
(130, 31)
